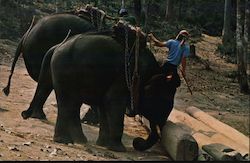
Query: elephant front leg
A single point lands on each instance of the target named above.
(113, 111)
(68, 125)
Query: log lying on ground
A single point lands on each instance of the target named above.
(221, 152)
(179, 143)
(204, 134)
(220, 127)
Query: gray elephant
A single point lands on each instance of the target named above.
(93, 69)
(46, 33)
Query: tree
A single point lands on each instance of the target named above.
(137, 10)
(246, 32)
(169, 15)
(226, 32)
(242, 75)
(123, 4)
(144, 16)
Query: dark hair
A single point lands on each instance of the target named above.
(123, 12)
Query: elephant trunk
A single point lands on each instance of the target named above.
(141, 145)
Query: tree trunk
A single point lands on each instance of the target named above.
(144, 18)
(137, 10)
(246, 33)
(58, 4)
(169, 11)
(242, 75)
(226, 32)
(123, 4)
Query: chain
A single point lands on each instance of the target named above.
(127, 69)
(98, 20)
(127, 63)
(92, 17)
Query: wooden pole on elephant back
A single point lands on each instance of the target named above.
(220, 127)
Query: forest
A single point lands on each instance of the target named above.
(216, 81)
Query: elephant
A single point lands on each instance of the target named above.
(47, 32)
(93, 68)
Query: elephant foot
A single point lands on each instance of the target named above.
(30, 114)
(117, 147)
(38, 115)
(80, 140)
(101, 142)
(63, 140)
(90, 117)
(26, 114)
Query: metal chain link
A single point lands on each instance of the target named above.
(129, 79)
(127, 63)
(98, 20)
(92, 17)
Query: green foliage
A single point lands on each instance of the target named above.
(195, 15)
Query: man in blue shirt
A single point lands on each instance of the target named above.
(178, 51)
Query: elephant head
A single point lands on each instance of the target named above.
(156, 94)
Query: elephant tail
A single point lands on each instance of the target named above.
(65, 39)
(50, 52)
(6, 90)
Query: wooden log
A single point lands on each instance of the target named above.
(220, 127)
(179, 143)
(221, 152)
(204, 134)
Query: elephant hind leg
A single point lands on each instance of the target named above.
(68, 125)
(43, 90)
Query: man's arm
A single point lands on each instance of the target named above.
(157, 42)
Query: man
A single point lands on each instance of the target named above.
(178, 51)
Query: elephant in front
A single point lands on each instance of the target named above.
(46, 33)
(91, 68)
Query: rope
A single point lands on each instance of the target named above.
(132, 82)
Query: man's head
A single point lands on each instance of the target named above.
(183, 35)
(123, 12)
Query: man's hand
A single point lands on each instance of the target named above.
(150, 36)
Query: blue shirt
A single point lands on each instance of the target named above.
(176, 52)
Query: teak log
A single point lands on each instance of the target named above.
(221, 152)
(204, 134)
(220, 127)
(179, 143)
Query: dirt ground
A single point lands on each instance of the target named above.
(215, 91)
